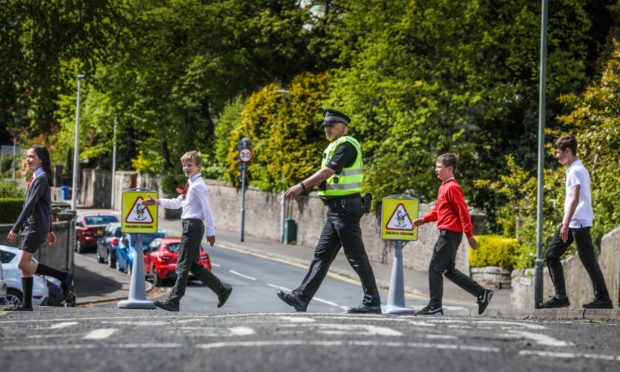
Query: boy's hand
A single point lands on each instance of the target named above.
(150, 201)
(564, 233)
(211, 240)
(12, 236)
(473, 243)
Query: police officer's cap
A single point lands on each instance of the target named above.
(332, 116)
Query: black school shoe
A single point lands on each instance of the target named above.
(67, 286)
(223, 296)
(430, 310)
(555, 302)
(292, 300)
(599, 304)
(167, 304)
(365, 309)
(484, 299)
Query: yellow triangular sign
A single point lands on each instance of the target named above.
(139, 213)
(400, 219)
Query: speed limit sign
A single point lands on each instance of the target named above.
(245, 155)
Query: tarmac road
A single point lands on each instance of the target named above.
(96, 339)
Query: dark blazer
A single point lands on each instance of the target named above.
(36, 216)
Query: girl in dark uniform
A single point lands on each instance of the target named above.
(35, 226)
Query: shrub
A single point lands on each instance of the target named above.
(495, 250)
(11, 208)
(8, 189)
(170, 182)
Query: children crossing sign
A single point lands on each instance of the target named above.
(137, 217)
(397, 215)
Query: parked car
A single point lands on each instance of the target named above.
(107, 244)
(2, 287)
(88, 228)
(126, 249)
(11, 276)
(160, 259)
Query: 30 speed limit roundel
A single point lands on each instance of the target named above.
(245, 155)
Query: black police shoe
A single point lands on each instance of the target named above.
(223, 296)
(430, 310)
(599, 304)
(484, 299)
(292, 300)
(365, 309)
(167, 304)
(555, 302)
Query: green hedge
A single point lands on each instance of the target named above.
(495, 250)
(170, 182)
(11, 208)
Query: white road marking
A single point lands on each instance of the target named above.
(139, 324)
(215, 265)
(329, 303)
(421, 323)
(550, 354)
(241, 275)
(454, 308)
(55, 335)
(413, 345)
(297, 319)
(279, 287)
(512, 324)
(348, 329)
(100, 334)
(541, 339)
(90, 346)
(63, 325)
(241, 331)
(444, 337)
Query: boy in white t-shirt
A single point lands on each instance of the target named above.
(576, 226)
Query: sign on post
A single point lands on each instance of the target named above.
(245, 155)
(137, 217)
(397, 216)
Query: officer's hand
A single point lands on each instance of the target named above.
(211, 240)
(473, 242)
(418, 222)
(150, 201)
(292, 192)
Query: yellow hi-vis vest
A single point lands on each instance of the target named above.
(349, 181)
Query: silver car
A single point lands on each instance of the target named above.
(12, 281)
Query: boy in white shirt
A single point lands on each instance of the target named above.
(196, 216)
(576, 224)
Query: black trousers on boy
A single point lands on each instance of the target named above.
(189, 252)
(443, 263)
(585, 249)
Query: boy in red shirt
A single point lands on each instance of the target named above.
(453, 219)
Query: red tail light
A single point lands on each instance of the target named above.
(114, 242)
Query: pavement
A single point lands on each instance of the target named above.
(96, 283)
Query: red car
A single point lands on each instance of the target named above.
(160, 259)
(89, 228)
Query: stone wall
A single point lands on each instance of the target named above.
(263, 219)
(578, 283)
(58, 255)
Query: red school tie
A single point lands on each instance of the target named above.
(183, 191)
(29, 183)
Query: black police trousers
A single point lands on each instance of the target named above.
(443, 263)
(189, 253)
(585, 249)
(342, 229)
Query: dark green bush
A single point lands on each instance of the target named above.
(11, 208)
(495, 250)
(170, 182)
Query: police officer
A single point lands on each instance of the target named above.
(340, 187)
